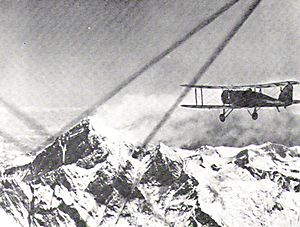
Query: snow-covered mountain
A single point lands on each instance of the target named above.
(85, 179)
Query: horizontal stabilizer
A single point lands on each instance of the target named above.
(296, 101)
(267, 85)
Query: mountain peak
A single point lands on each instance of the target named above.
(84, 179)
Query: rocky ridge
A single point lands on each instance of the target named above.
(85, 179)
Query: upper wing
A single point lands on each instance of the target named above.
(267, 85)
(206, 86)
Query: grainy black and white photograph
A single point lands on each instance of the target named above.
(150, 113)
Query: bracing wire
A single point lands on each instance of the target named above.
(138, 73)
(201, 72)
(205, 67)
(147, 66)
(29, 121)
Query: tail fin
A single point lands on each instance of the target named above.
(286, 95)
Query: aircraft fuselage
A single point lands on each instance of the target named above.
(250, 99)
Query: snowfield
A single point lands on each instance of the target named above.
(85, 179)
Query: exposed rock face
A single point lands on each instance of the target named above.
(83, 179)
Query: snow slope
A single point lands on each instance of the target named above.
(85, 179)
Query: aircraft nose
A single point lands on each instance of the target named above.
(225, 97)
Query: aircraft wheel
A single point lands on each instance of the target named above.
(222, 117)
(254, 116)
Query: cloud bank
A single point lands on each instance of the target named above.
(133, 118)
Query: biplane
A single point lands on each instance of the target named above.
(246, 97)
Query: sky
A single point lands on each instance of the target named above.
(60, 57)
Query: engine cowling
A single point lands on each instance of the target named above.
(225, 97)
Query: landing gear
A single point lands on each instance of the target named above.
(225, 114)
(222, 117)
(254, 115)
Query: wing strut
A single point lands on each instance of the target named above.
(201, 96)
(196, 96)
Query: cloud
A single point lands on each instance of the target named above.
(133, 118)
(241, 130)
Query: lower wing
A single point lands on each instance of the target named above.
(210, 106)
(263, 105)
